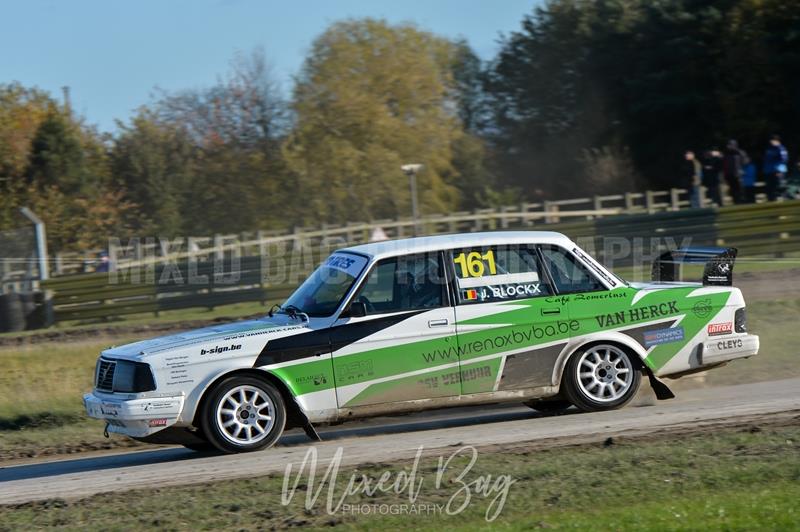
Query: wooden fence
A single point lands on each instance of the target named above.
(525, 215)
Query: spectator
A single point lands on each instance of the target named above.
(749, 182)
(691, 178)
(712, 167)
(776, 159)
(733, 164)
(104, 263)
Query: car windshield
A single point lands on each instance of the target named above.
(322, 293)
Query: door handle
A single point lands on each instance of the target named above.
(550, 311)
(437, 323)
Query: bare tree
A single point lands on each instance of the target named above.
(245, 108)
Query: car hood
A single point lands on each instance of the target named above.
(277, 325)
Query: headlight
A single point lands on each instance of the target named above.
(124, 376)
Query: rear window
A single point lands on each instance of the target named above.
(568, 274)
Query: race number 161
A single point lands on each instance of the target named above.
(474, 264)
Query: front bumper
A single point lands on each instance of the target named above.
(729, 348)
(134, 417)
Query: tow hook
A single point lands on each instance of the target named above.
(105, 430)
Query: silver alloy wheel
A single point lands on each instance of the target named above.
(245, 415)
(605, 373)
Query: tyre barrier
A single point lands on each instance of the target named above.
(12, 315)
(22, 311)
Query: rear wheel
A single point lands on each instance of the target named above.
(601, 377)
(243, 414)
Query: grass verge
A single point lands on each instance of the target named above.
(731, 479)
(232, 312)
(41, 407)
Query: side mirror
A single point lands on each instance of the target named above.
(357, 309)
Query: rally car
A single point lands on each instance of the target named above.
(422, 323)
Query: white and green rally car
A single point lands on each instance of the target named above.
(423, 323)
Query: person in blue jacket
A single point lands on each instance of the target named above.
(776, 159)
(749, 182)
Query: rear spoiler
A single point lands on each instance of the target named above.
(717, 272)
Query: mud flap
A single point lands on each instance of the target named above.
(661, 390)
(311, 432)
(301, 420)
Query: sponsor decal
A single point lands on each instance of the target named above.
(220, 349)
(637, 314)
(663, 336)
(344, 262)
(318, 379)
(516, 338)
(453, 378)
(354, 371)
(718, 329)
(159, 422)
(563, 300)
(702, 309)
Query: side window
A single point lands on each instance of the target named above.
(498, 273)
(404, 283)
(568, 275)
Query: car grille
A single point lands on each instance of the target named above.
(105, 375)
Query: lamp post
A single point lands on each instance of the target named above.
(411, 170)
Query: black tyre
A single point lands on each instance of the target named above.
(12, 313)
(549, 406)
(601, 377)
(243, 414)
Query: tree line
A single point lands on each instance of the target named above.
(588, 96)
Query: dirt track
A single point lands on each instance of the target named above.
(692, 411)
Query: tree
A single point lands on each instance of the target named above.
(646, 78)
(22, 110)
(155, 164)
(371, 97)
(244, 108)
(236, 128)
(57, 157)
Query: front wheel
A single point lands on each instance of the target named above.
(601, 377)
(243, 414)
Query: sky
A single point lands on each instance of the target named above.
(112, 54)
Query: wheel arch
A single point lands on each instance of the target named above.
(294, 415)
(623, 341)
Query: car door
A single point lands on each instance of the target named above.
(404, 347)
(510, 327)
